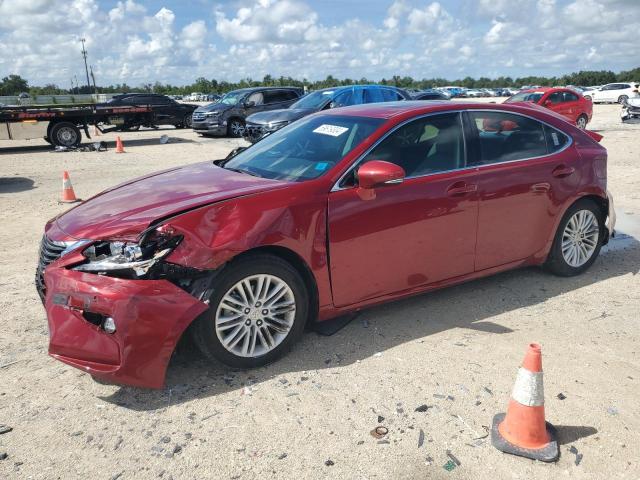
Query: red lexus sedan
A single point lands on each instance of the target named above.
(336, 212)
(564, 101)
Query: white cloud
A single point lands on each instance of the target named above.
(133, 43)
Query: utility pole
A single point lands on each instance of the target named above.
(93, 77)
(86, 69)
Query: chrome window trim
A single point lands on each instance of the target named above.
(336, 186)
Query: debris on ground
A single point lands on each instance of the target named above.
(5, 429)
(282, 456)
(453, 458)
(421, 438)
(422, 408)
(579, 456)
(487, 430)
(428, 460)
(379, 432)
(365, 323)
(488, 390)
(329, 463)
(450, 465)
(380, 419)
(612, 411)
(561, 396)
(3, 455)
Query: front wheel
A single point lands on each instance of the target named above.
(581, 122)
(578, 239)
(257, 312)
(236, 128)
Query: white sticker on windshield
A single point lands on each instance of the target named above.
(333, 130)
(554, 136)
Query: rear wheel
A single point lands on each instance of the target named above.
(257, 312)
(186, 123)
(578, 239)
(65, 134)
(588, 97)
(581, 122)
(622, 99)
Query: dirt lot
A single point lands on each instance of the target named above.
(309, 415)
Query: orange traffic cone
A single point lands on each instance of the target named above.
(119, 145)
(523, 430)
(68, 195)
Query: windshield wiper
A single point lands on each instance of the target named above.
(242, 171)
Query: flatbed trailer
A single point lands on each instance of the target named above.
(60, 125)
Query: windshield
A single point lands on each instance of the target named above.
(315, 100)
(305, 149)
(532, 97)
(231, 98)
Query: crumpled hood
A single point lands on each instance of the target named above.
(281, 115)
(213, 107)
(129, 208)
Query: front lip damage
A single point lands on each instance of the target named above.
(150, 315)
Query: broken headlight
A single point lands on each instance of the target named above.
(128, 259)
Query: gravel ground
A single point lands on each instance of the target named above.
(309, 416)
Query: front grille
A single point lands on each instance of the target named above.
(197, 117)
(49, 252)
(253, 130)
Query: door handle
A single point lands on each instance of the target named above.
(562, 171)
(461, 188)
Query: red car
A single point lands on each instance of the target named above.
(338, 211)
(568, 103)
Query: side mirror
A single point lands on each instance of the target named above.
(377, 173)
(249, 104)
(334, 105)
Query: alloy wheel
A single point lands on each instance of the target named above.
(580, 238)
(255, 315)
(581, 123)
(237, 128)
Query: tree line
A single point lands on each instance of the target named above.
(15, 84)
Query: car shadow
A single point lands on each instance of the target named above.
(381, 328)
(15, 184)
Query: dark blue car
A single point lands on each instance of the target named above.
(262, 123)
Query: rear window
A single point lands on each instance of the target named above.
(556, 140)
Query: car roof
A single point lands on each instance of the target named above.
(252, 89)
(408, 108)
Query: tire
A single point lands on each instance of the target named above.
(131, 128)
(235, 128)
(622, 99)
(588, 97)
(561, 262)
(253, 328)
(187, 122)
(582, 121)
(65, 134)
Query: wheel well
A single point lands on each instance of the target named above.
(300, 265)
(602, 203)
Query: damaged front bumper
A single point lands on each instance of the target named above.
(149, 317)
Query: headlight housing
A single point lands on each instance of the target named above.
(128, 259)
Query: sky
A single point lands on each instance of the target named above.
(175, 41)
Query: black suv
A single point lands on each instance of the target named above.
(262, 124)
(166, 111)
(227, 115)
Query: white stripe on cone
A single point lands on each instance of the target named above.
(66, 184)
(528, 389)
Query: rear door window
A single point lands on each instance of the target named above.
(348, 97)
(390, 95)
(373, 95)
(569, 97)
(505, 137)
